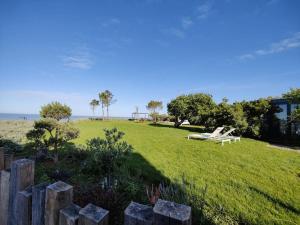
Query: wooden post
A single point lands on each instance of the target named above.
(21, 177)
(69, 215)
(8, 159)
(24, 207)
(1, 158)
(4, 196)
(58, 196)
(38, 203)
(93, 215)
(170, 213)
(138, 214)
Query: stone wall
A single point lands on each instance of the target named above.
(24, 203)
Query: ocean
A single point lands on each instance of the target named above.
(17, 116)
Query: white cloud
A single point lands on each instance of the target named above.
(111, 22)
(175, 32)
(186, 22)
(281, 46)
(204, 10)
(79, 58)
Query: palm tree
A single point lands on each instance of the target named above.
(106, 99)
(102, 99)
(94, 103)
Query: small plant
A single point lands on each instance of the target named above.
(107, 154)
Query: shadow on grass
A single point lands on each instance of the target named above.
(276, 201)
(195, 129)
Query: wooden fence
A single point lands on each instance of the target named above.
(24, 203)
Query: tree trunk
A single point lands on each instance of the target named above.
(102, 111)
(177, 122)
(107, 112)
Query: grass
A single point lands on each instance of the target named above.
(253, 183)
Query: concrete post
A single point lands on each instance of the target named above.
(69, 215)
(138, 214)
(58, 196)
(170, 213)
(8, 159)
(1, 158)
(21, 177)
(38, 203)
(24, 207)
(93, 215)
(4, 196)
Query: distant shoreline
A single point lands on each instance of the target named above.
(32, 117)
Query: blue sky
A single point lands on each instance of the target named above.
(145, 49)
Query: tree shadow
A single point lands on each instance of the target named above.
(276, 201)
(195, 129)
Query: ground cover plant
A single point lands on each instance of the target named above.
(247, 181)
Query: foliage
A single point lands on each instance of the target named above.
(255, 112)
(154, 106)
(106, 98)
(94, 103)
(106, 154)
(50, 132)
(293, 96)
(56, 110)
(193, 107)
(225, 114)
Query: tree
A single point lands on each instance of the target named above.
(193, 107)
(56, 111)
(293, 97)
(154, 106)
(107, 99)
(255, 112)
(50, 131)
(225, 114)
(102, 99)
(94, 103)
(178, 108)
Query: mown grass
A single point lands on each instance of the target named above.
(253, 183)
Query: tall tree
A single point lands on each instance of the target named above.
(102, 99)
(293, 97)
(107, 99)
(94, 103)
(154, 106)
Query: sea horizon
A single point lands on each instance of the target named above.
(32, 116)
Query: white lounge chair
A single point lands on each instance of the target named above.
(205, 136)
(228, 135)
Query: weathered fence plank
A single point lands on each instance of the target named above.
(69, 215)
(24, 206)
(8, 159)
(4, 196)
(138, 214)
(21, 177)
(170, 213)
(1, 158)
(93, 215)
(58, 196)
(38, 203)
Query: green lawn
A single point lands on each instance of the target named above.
(254, 183)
